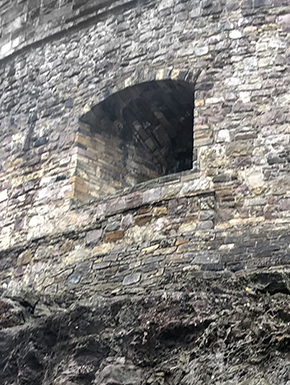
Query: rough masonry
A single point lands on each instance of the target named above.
(144, 145)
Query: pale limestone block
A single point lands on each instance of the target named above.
(201, 51)
(3, 195)
(245, 96)
(253, 178)
(223, 136)
(200, 184)
(6, 48)
(235, 34)
(131, 279)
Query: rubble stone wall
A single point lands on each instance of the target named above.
(59, 59)
(141, 239)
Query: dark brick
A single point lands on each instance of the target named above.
(236, 266)
(259, 3)
(212, 267)
(40, 142)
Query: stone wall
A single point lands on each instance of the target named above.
(60, 60)
(145, 238)
(29, 22)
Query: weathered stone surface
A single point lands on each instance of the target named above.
(131, 279)
(240, 148)
(162, 263)
(224, 97)
(24, 258)
(93, 236)
(114, 235)
(120, 374)
(170, 336)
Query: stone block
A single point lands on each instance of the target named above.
(259, 3)
(101, 265)
(142, 220)
(212, 267)
(285, 21)
(152, 195)
(181, 242)
(206, 215)
(131, 279)
(285, 204)
(199, 102)
(223, 136)
(224, 215)
(170, 191)
(203, 257)
(73, 279)
(3, 195)
(115, 205)
(160, 211)
(40, 142)
(134, 200)
(235, 266)
(79, 195)
(86, 141)
(187, 228)
(93, 236)
(197, 185)
(201, 51)
(206, 225)
(127, 221)
(24, 258)
(203, 137)
(66, 247)
(177, 207)
(113, 226)
(104, 248)
(240, 148)
(235, 34)
(114, 236)
(149, 267)
(150, 249)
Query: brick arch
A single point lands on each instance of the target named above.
(141, 75)
(141, 132)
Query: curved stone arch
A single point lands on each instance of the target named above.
(143, 75)
(152, 144)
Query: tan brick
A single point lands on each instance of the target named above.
(190, 218)
(80, 195)
(144, 210)
(181, 242)
(114, 236)
(85, 140)
(24, 258)
(160, 211)
(199, 103)
(142, 220)
(102, 249)
(150, 249)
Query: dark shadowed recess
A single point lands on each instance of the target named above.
(153, 123)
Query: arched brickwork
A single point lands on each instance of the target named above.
(148, 74)
(139, 133)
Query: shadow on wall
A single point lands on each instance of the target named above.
(140, 133)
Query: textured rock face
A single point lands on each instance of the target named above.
(182, 279)
(218, 332)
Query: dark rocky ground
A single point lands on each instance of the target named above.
(230, 331)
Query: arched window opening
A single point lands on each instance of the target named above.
(140, 133)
